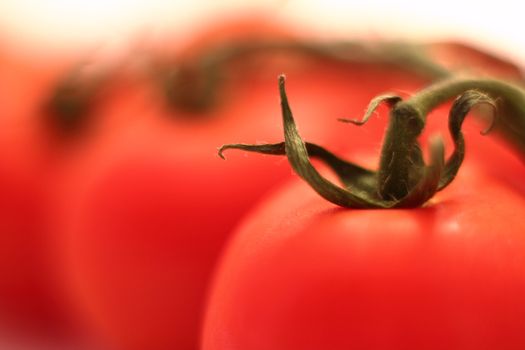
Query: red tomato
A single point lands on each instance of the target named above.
(146, 213)
(32, 150)
(27, 286)
(301, 273)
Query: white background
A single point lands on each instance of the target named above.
(497, 25)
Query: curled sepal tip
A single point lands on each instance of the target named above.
(460, 109)
(389, 99)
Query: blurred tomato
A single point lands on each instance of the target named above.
(34, 145)
(27, 288)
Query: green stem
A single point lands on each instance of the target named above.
(510, 121)
(443, 91)
(401, 162)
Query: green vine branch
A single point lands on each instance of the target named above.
(193, 86)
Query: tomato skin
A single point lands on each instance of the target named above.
(303, 274)
(33, 150)
(28, 285)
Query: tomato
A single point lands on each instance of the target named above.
(26, 285)
(301, 273)
(33, 147)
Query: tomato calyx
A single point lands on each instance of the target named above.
(403, 180)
